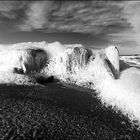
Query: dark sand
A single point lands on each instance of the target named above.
(58, 111)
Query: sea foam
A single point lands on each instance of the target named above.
(95, 69)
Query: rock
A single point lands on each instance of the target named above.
(44, 80)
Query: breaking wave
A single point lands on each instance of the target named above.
(117, 85)
(100, 71)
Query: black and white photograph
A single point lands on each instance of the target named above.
(69, 70)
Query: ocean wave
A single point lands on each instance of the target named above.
(98, 70)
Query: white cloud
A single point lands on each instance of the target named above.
(8, 8)
(84, 17)
(131, 12)
(36, 15)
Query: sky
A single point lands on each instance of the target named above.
(94, 23)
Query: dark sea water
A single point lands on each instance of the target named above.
(57, 111)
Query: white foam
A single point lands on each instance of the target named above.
(26, 60)
(91, 70)
(113, 56)
(14, 78)
(123, 93)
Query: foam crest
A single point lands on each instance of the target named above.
(97, 73)
(95, 69)
(122, 94)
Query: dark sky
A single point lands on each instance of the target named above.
(93, 23)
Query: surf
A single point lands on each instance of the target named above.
(101, 70)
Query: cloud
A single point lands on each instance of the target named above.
(8, 9)
(37, 15)
(95, 17)
(84, 17)
(131, 12)
(118, 22)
